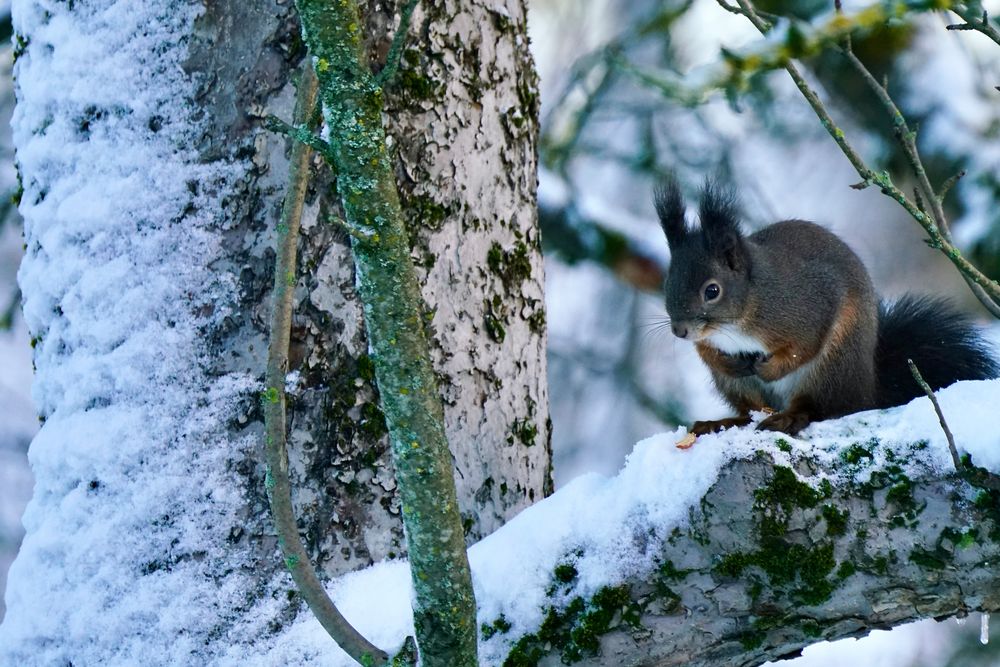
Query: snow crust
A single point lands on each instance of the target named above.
(591, 521)
(125, 552)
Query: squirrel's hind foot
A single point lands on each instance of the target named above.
(786, 422)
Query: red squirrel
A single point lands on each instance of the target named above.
(787, 320)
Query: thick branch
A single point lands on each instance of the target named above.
(769, 565)
(444, 608)
(745, 548)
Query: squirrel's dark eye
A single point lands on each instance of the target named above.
(712, 291)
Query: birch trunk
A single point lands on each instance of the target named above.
(151, 194)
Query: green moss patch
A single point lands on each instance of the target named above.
(806, 573)
(575, 631)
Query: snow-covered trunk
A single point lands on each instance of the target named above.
(150, 198)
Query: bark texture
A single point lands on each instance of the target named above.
(770, 565)
(444, 607)
(467, 184)
(468, 192)
(201, 532)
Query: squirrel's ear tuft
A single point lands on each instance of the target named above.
(719, 213)
(670, 209)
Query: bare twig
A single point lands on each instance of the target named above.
(392, 59)
(301, 133)
(985, 289)
(974, 21)
(937, 408)
(276, 480)
(948, 185)
(907, 140)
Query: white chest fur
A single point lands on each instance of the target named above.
(784, 389)
(731, 340)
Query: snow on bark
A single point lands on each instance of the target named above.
(126, 551)
(150, 199)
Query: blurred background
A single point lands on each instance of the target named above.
(616, 374)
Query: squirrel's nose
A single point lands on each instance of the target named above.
(680, 330)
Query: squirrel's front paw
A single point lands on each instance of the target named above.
(740, 365)
(714, 426)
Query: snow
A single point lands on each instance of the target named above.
(590, 521)
(125, 533)
(118, 257)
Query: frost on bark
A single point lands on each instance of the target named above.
(146, 285)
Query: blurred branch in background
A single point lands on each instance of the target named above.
(574, 238)
(787, 39)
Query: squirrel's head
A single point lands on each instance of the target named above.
(709, 274)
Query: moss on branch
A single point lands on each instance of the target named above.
(444, 609)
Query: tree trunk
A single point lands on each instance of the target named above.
(150, 198)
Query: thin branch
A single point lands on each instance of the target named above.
(396, 47)
(7, 314)
(301, 133)
(948, 185)
(906, 137)
(974, 21)
(986, 289)
(940, 415)
(276, 480)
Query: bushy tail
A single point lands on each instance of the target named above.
(943, 343)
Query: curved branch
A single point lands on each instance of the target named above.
(276, 481)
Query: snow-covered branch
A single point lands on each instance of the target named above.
(745, 548)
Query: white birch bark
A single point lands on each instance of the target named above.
(150, 196)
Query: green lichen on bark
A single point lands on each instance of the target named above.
(802, 571)
(277, 482)
(444, 609)
(575, 631)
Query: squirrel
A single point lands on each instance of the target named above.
(788, 321)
